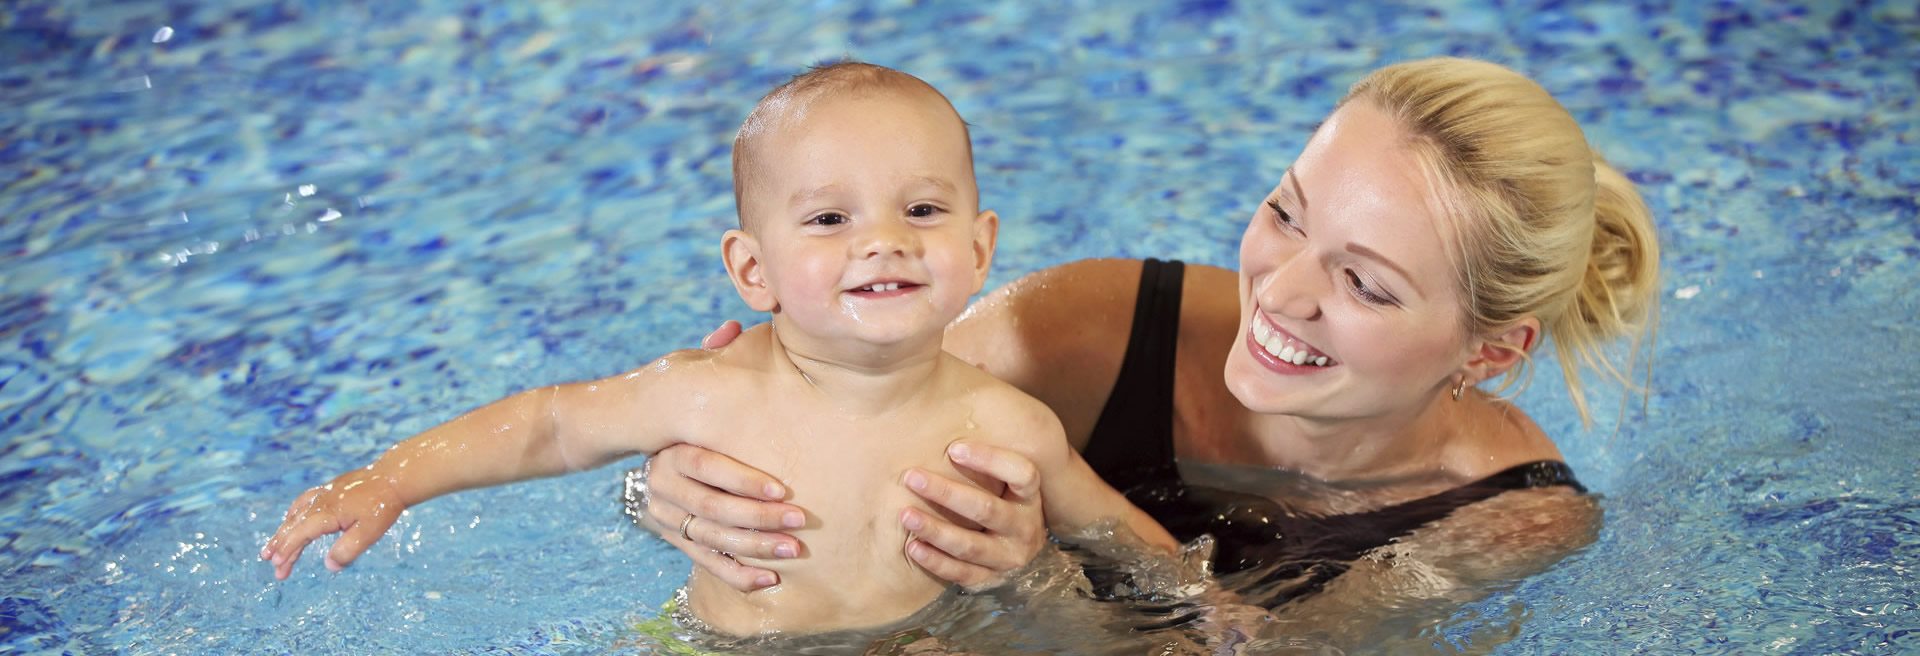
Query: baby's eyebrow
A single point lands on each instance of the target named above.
(941, 183)
(802, 196)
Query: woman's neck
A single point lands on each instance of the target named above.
(1396, 447)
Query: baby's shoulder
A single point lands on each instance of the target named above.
(1004, 410)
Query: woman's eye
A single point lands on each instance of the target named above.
(1366, 294)
(1281, 215)
(922, 210)
(828, 219)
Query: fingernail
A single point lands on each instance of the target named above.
(266, 553)
(916, 480)
(785, 551)
(279, 560)
(911, 520)
(959, 451)
(763, 580)
(774, 491)
(916, 551)
(333, 566)
(793, 519)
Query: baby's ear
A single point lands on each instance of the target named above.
(986, 231)
(742, 254)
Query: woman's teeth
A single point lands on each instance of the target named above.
(1275, 345)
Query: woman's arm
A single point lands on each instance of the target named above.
(1425, 577)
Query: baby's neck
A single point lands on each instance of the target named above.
(862, 383)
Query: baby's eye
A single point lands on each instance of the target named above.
(922, 210)
(828, 219)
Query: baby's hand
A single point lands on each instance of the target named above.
(360, 502)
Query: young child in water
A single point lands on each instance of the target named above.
(860, 232)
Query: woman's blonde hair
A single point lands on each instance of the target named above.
(1544, 226)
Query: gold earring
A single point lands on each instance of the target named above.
(1460, 388)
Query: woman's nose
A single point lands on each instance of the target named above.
(1296, 288)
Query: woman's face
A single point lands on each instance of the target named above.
(1348, 298)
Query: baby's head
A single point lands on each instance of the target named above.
(859, 216)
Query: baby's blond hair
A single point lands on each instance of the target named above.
(791, 100)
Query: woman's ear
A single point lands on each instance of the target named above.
(1502, 350)
(742, 254)
(986, 232)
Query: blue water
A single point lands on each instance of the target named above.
(245, 245)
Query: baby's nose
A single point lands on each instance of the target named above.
(889, 239)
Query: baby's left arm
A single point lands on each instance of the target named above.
(1072, 496)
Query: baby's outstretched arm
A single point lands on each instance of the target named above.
(1073, 497)
(535, 433)
(1076, 498)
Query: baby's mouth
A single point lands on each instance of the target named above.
(885, 289)
(1283, 346)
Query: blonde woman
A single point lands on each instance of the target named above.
(1447, 221)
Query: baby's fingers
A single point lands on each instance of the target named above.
(293, 539)
(358, 536)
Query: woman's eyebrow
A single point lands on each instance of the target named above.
(1374, 255)
(1292, 183)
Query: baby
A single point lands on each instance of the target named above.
(860, 232)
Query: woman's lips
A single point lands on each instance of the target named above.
(1278, 350)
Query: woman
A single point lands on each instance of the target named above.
(1446, 220)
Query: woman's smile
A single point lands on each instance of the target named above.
(1278, 350)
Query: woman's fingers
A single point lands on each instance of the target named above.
(716, 536)
(1019, 473)
(717, 488)
(974, 547)
(722, 336)
(966, 575)
(983, 507)
(729, 571)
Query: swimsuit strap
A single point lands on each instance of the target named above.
(1132, 442)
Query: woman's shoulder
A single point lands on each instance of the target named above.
(1497, 435)
(1058, 334)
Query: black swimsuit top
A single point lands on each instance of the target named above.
(1283, 555)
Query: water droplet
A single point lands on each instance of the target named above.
(163, 34)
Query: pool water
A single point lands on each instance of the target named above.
(245, 245)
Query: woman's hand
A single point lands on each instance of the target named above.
(1012, 528)
(734, 507)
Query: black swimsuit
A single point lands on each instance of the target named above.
(1267, 552)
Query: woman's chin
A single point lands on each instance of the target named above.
(1262, 391)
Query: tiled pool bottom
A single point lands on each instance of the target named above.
(246, 244)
